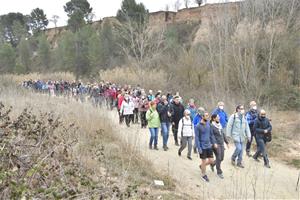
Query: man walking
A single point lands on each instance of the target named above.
(163, 109)
(177, 110)
(238, 130)
(262, 127)
(206, 144)
(251, 116)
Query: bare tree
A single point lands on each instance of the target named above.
(187, 3)
(167, 8)
(177, 5)
(140, 43)
(199, 2)
(54, 19)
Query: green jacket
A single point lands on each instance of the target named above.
(152, 117)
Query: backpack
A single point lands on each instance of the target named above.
(186, 125)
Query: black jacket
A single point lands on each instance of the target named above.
(177, 111)
(220, 137)
(262, 124)
(162, 110)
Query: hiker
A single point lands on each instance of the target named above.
(152, 117)
(238, 130)
(186, 130)
(150, 97)
(143, 108)
(220, 137)
(196, 120)
(120, 101)
(192, 108)
(206, 143)
(163, 109)
(222, 114)
(177, 110)
(127, 108)
(136, 101)
(262, 127)
(251, 116)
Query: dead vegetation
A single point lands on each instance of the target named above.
(60, 149)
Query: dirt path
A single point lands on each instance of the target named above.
(255, 181)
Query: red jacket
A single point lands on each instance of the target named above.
(120, 101)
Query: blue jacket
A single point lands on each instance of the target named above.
(251, 116)
(197, 119)
(223, 116)
(193, 111)
(238, 128)
(206, 137)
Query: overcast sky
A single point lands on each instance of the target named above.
(101, 8)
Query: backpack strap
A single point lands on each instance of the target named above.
(233, 123)
(184, 125)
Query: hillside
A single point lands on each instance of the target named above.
(203, 15)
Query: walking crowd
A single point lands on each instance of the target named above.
(203, 132)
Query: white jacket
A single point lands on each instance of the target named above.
(186, 127)
(127, 108)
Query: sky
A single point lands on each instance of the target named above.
(101, 8)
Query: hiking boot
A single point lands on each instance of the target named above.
(240, 165)
(165, 148)
(221, 176)
(256, 159)
(233, 162)
(179, 153)
(248, 154)
(205, 178)
(190, 158)
(267, 165)
(176, 143)
(212, 167)
(155, 147)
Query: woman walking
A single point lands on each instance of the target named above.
(220, 137)
(126, 110)
(152, 117)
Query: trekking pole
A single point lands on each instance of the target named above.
(297, 185)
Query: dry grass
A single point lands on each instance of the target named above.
(286, 137)
(99, 149)
(147, 78)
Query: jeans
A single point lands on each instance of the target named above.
(186, 140)
(165, 127)
(219, 154)
(238, 153)
(261, 149)
(153, 136)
